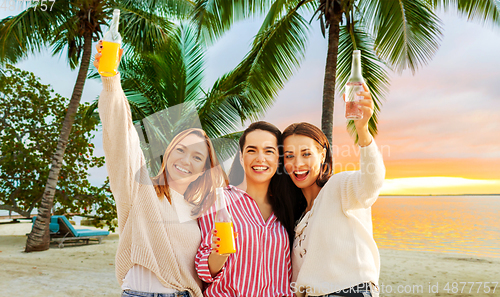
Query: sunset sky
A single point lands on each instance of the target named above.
(438, 129)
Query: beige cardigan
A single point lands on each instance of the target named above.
(150, 232)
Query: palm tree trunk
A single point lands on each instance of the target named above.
(39, 238)
(330, 75)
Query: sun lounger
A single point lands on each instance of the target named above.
(68, 234)
(54, 225)
(61, 232)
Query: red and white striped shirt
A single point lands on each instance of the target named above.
(261, 265)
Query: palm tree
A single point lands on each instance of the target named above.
(242, 94)
(400, 34)
(71, 27)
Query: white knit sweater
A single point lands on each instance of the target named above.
(150, 232)
(334, 247)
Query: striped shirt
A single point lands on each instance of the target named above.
(261, 265)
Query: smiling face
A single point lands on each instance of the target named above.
(186, 161)
(260, 156)
(303, 158)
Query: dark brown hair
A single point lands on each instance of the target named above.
(311, 131)
(201, 192)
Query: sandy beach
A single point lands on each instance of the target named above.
(86, 270)
(89, 270)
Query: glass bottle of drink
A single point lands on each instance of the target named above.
(354, 85)
(224, 225)
(110, 53)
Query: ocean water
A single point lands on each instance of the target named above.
(467, 225)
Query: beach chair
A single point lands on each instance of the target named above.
(68, 234)
(53, 226)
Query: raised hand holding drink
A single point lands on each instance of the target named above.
(224, 225)
(353, 87)
(111, 42)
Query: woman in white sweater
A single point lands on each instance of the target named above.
(159, 234)
(334, 253)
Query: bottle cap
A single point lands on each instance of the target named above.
(116, 11)
(356, 52)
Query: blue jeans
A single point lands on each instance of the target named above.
(130, 293)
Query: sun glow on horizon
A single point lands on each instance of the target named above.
(439, 185)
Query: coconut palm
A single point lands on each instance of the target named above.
(401, 34)
(241, 94)
(70, 27)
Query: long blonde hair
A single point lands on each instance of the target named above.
(201, 192)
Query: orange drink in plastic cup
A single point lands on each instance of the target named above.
(108, 64)
(226, 235)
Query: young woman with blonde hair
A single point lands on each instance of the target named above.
(158, 237)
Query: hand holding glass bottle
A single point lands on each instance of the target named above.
(223, 241)
(98, 56)
(354, 88)
(109, 53)
(223, 234)
(364, 106)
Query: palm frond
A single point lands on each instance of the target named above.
(178, 71)
(27, 32)
(168, 84)
(407, 32)
(276, 54)
(221, 113)
(280, 8)
(193, 53)
(227, 146)
(484, 11)
(65, 39)
(143, 30)
(247, 91)
(76, 18)
(376, 77)
(276, 11)
(139, 107)
(307, 7)
(214, 17)
(172, 9)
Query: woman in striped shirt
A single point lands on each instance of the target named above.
(262, 217)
